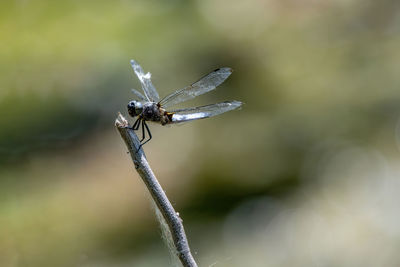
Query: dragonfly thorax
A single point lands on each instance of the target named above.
(151, 112)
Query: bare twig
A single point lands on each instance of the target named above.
(157, 193)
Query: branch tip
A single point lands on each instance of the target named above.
(120, 121)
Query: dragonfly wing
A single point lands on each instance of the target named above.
(139, 96)
(189, 114)
(145, 80)
(204, 85)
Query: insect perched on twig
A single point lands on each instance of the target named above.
(150, 108)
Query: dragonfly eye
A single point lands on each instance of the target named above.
(134, 108)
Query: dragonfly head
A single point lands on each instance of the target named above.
(135, 108)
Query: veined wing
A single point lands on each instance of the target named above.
(138, 95)
(189, 114)
(145, 80)
(204, 85)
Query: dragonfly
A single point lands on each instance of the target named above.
(150, 108)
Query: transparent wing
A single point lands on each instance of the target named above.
(138, 95)
(204, 85)
(145, 80)
(189, 114)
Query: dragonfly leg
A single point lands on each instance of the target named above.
(143, 132)
(148, 131)
(136, 125)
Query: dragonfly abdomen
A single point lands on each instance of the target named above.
(167, 117)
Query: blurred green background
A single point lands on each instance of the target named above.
(305, 174)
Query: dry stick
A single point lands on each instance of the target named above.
(157, 193)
